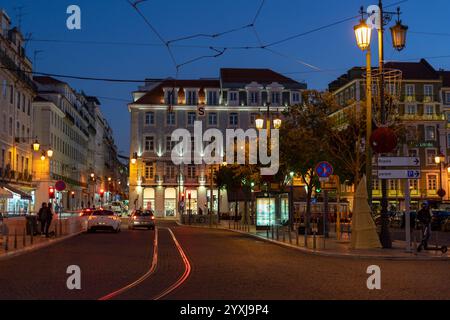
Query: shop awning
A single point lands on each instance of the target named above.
(23, 195)
(5, 194)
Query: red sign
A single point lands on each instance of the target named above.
(324, 169)
(60, 186)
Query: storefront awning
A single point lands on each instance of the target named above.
(23, 195)
(5, 194)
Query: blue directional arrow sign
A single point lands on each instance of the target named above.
(398, 174)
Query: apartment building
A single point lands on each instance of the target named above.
(422, 110)
(233, 100)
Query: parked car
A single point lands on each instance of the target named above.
(116, 206)
(103, 220)
(142, 219)
(437, 219)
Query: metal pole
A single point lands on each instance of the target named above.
(385, 236)
(325, 214)
(369, 125)
(407, 216)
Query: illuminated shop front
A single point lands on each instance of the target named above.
(14, 201)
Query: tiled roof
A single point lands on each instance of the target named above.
(155, 95)
(47, 80)
(421, 70)
(262, 76)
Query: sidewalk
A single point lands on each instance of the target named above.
(331, 247)
(15, 240)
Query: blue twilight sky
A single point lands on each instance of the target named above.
(331, 51)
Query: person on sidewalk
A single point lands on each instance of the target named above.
(42, 217)
(424, 217)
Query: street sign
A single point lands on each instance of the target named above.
(324, 169)
(398, 174)
(399, 162)
(60, 185)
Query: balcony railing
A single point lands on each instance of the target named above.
(425, 117)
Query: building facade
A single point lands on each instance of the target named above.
(17, 92)
(422, 111)
(232, 101)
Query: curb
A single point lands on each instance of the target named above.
(330, 254)
(36, 247)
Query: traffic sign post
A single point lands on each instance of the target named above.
(324, 170)
(399, 162)
(398, 174)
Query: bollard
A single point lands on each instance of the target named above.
(284, 234)
(267, 232)
(314, 240)
(296, 237)
(273, 231)
(24, 239)
(290, 236)
(7, 243)
(15, 238)
(31, 234)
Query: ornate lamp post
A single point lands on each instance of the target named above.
(363, 36)
(440, 161)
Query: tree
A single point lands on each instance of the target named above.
(303, 140)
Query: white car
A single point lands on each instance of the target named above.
(103, 220)
(116, 206)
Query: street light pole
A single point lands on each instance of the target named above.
(369, 124)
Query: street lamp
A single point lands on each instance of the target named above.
(259, 123)
(363, 35)
(134, 158)
(440, 160)
(50, 153)
(43, 156)
(399, 41)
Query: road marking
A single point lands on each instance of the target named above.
(141, 279)
(187, 270)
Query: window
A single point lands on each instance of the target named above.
(411, 109)
(409, 90)
(234, 119)
(232, 97)
(295, 97)
(29, 108)
(149, 118)
(18, 100)
(392, 185)
(170, 171)
(376, 184)
(447, 97)
(170, 97)
(212, 119)
(430, 133)
(4, 88)
(191, 117)
(411, 133)
(432, 182)
(149, 170)
(253, 117)
(413, 153)
(253, 97)
(191, 97)
(429, 110)
(11, 95)
(212, 98)
(23, 103)
(413, 184)
(149, 143)
(431, 154)
(171, 118)
(170, 145)
(191, 171)
(275, 97)
(428, 90)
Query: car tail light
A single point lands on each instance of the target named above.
(134, 217)
(153, 217)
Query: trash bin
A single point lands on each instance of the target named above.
(31, 225)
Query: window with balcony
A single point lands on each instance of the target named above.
(253, 117)
(409, 91)
(429, 110)
(411, 109)
(430, 133)
(149, 143)
(413, 184)
(275, 98)
(392, 185)
(253, 97)
(413, 153)
(149, 118)
(375, 184)
(212, 119)
(411, 133)
(432, 182)
(191, 171)
(171, 171)
(171, 97)
(428, 91)
(233, 119)
(191, 117)
(170, 144)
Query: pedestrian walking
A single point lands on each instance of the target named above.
(42, 217)
(424, 217)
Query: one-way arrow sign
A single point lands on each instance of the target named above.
(399, 162)
(398, 174)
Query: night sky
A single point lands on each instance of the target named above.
(330, 51)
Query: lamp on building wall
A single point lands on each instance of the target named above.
(134, 158)
(36, 146)
(50, 153)
(277, 122)
(43, 156)
(259, 122)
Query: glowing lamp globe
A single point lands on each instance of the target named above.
(383, 140)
